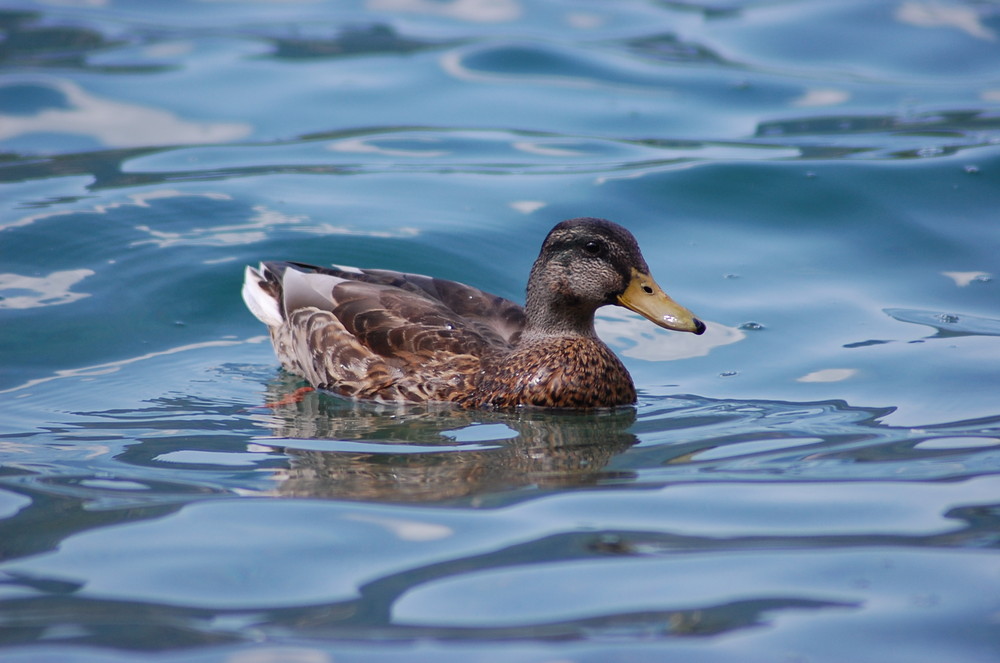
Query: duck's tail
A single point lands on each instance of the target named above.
(262, 295)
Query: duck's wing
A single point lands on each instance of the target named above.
(498, 320)
(379, 334)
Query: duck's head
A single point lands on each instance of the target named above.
(587, 263)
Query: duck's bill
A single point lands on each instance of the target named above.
(647, 299)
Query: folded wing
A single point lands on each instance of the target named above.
(380, 334)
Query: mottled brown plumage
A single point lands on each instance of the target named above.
(382, 335)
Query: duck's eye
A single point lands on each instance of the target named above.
(593, 248)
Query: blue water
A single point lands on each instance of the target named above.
(815, 479)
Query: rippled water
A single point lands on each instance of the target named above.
(815, 479)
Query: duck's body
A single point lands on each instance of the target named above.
(382, 335)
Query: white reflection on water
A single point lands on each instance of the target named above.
(526, 206)
(362, 146)
(476, 11)
(256, 229)
(17, 291)
(941, 15)
(820, 97)
(133, 200)
(963, 279)
(829, 375)
(113, 123)
(545, 150)
(406, 529)
(634, 336)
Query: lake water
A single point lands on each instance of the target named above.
(816, 479)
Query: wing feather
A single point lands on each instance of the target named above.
(492, 316)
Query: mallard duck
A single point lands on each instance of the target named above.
(389, 336)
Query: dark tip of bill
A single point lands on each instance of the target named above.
(699, 327)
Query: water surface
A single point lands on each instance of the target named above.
(815, 479)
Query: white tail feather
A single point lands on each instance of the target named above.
(260, 303)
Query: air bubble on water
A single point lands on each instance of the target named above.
(730, 277)
(751, 326)
(728, 374)
(947, 318)
(972, 170)
(930, 151)
(982, 278)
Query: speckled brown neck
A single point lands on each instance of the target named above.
(551, 307)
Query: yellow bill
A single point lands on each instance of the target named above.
(647, 299)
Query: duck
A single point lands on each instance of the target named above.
(381, 335)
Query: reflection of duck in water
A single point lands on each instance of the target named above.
(376, 334)
(434, 452)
